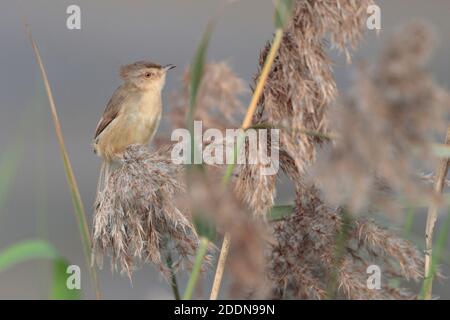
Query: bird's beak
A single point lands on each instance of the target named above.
(168, 67)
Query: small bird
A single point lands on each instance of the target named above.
(133, 113)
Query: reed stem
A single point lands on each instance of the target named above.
(80, 213)
(245, 125)
(201, 252)
(441, 174)
(173, 277)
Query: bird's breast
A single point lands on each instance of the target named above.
(146, 116)
(136, 124)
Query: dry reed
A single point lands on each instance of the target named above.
(386, 128)
(380, 132)
(296, 98)
(218, 102)
(302, 261)
(300, 87)
(136, 218)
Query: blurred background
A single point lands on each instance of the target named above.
(82, 67)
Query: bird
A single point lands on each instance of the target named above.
(132, 114)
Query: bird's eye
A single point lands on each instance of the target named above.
(148, 74)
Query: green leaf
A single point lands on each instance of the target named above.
(59, 285)
(280, 212)
(232, 160)
(409, 221)
(26, 250)
(39, 249)
(204, 226)
(201, 252)
(80, 212)
(197, 68)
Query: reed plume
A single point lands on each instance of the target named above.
(385, 128)
(303, 261)
(136, 218)
(343, 154)
(300, 88)
(218, 102)
(219, 205)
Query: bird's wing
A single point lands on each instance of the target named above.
(112, 110)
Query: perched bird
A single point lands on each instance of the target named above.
(133, 113)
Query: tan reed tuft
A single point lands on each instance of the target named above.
(136, 218)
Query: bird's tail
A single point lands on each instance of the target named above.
(107, 168)
(105, 172)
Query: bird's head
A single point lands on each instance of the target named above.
(145, 75)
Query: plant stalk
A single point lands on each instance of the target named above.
(173, 277)
(71, 180)
(245, 125)
(220, 267)
(201, 252)
(441, 174)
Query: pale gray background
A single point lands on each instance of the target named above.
(82, 67)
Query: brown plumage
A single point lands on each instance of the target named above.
(133, 113)
(111, 111)
(129, 68)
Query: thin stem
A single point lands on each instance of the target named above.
(220, 267)
(441, 174)
(245, 125)
(263, 78)
(201, 252)
(439, 250)
(257, 94)
(173, 277)
(311, 133)
(409, 221)
(71, 180)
